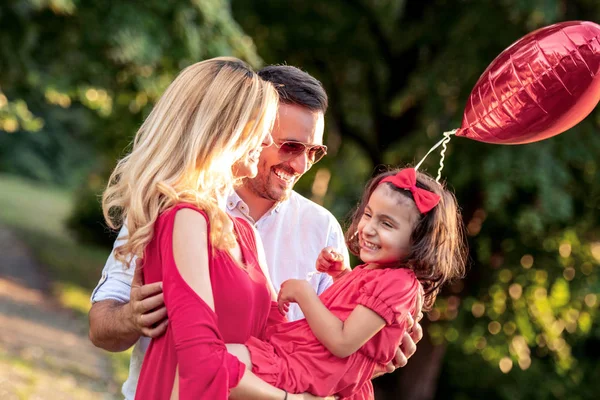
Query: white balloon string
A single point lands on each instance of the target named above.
(444, 144)
(443, 152)
(435, 146)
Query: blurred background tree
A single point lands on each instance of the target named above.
(77, 79)
(398, 73)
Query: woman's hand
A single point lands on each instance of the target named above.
(289, 292)
(330, 261)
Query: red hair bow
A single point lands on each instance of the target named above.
(407, 179)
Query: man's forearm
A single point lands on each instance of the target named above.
(111, 327)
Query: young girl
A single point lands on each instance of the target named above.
(408, 232)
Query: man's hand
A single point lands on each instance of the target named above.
(407, 348)
(147, 311)
(116, 326)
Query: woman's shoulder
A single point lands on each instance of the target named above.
(191, 217)
(170, 212)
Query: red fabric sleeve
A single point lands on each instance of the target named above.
(206, 369)
(391, 294)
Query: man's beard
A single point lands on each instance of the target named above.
(265, 189)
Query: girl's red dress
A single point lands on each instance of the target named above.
(291, 358)
(196, 336)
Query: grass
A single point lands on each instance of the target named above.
(37, 214)
(26, 378)
(32, 207)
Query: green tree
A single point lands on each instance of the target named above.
(524, 322)
(77, 79)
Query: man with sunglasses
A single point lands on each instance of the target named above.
(293, 229)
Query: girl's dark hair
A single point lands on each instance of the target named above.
(438, 251)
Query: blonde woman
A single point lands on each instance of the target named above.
(204, 135)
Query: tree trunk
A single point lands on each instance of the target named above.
(418, 380)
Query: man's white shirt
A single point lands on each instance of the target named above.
(293, 234)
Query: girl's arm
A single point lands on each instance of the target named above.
(341, 338)
(199, 346)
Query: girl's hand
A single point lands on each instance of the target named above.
(330, 261)
(289, 292)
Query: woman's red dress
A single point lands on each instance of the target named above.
(195, 338)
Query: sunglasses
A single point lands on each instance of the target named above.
(289, 150)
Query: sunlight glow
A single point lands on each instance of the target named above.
(494, 327)
(478, 310)
(505, 364)
(565, 249)
(527, 261)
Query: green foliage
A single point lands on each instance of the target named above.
(86, 217)
(77, 79)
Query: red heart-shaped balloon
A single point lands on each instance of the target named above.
(542, 85)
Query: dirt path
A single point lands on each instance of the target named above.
(44, 349)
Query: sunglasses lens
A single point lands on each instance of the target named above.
(316, 153)
(294, 149)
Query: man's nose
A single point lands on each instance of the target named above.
(300, 163)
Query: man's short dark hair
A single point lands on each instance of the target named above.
(296, 87)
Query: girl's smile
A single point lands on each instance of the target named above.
(385, 229)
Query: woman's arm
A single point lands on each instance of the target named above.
(341, 338)
(252, 387)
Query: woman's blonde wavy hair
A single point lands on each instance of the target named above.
(211, 115)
